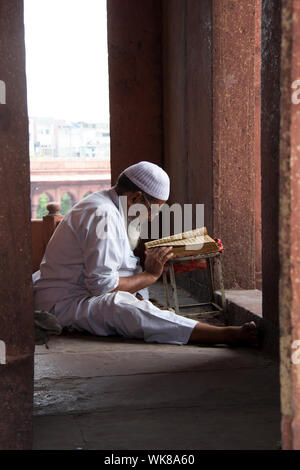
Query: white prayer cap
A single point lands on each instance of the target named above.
(150, 178)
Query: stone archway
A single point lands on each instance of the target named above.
(35, 198)
(67, 201)
(55, 190)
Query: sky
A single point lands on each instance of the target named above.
(66, 59)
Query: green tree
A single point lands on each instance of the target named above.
(65, 204)
(42, 206)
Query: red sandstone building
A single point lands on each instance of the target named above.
(76, 177)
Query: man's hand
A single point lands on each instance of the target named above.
(154, 264)
(156, 259)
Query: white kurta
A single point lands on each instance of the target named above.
(81, 267)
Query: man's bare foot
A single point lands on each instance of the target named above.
(243, 335)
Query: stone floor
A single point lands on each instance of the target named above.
(115, 394)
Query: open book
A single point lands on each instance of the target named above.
(188, 243)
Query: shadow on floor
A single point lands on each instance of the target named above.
(115, 394)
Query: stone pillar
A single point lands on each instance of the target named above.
(174, 97)
(234, 143)
(289, 225)
(188, 103)
(211, 65)
(270, 120)
(187, 81)
(16, 305)
(257, 146)
(135, 82)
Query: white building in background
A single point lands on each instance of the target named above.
(67, 139)
(41, 136)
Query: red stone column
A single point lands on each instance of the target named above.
(257, 147)
(135, 82)
(16, 306)
(289, 225)
(212, 123)
(234, 145)
(187, 72)
(270, 126)
(174, 97)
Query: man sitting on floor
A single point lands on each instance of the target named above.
(91, 280)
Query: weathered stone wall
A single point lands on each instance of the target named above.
(135, 85)
(187, 98)
(16, 310)
(211, 66)
(270, 121)
(289, 226)
(188, 102)
(234, 144)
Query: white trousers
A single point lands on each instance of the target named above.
(121, 313)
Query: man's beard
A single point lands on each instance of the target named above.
(133, 231)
